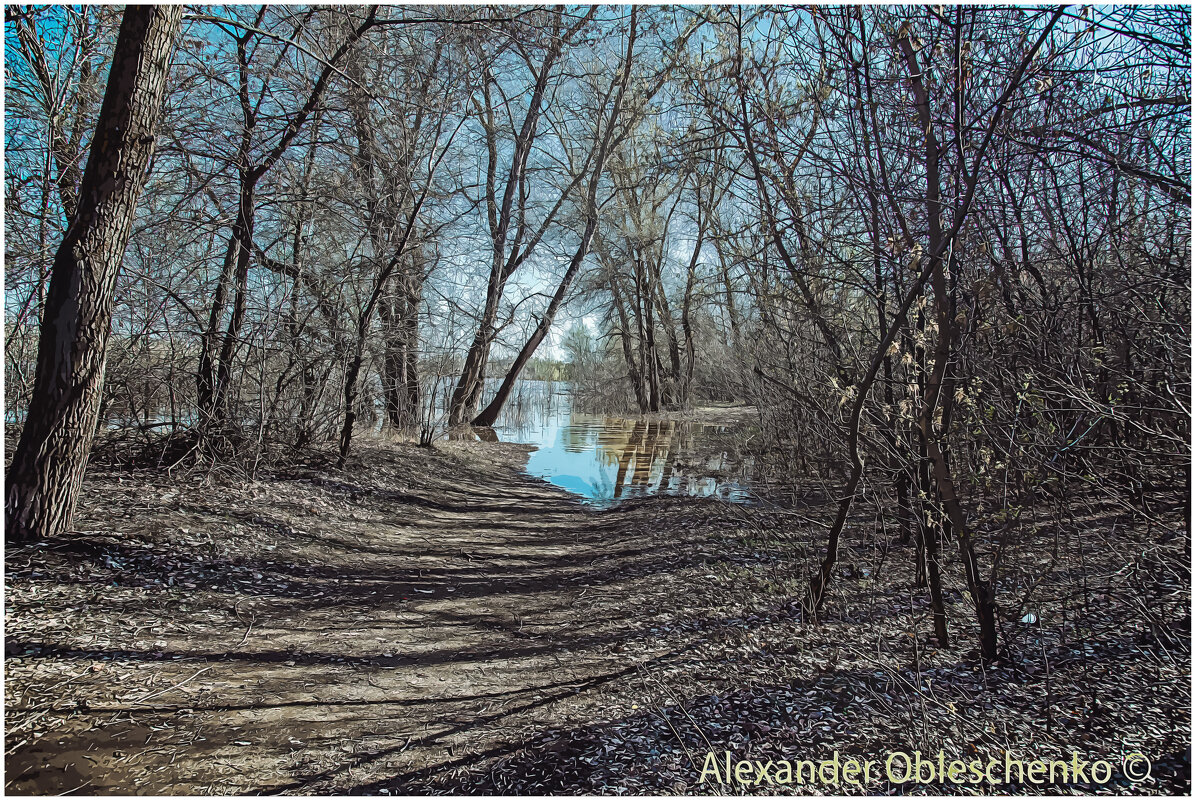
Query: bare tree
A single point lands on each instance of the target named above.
(514, 234)
(596, 163)
(51, 457)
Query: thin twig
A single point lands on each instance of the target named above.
(145, 698)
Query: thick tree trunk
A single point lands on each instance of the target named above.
(634, 373)
(649, 358)
(407, 387)
(392, 360)
(400, 330)
(670, 388)
(465, 395)
(51, 457)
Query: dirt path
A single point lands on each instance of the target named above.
(439, 622)
(314, 633)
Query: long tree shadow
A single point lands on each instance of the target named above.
(364, 760)
(671, 748)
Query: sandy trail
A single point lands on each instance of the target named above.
(315, 633)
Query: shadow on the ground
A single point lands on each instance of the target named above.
(447, 633)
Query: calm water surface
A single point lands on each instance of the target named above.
(606, 459)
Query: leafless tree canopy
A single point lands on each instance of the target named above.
(944, 251)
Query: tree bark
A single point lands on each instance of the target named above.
(634, 372)
(400, 331)
(51, 458)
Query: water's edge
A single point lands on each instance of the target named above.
(605, 459)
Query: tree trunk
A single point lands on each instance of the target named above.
(729, 300)
(649, 358)
(400, 325)
(473, 375)
(686, 380)
(220, 412)
(393, 360)
(489, 415)
(51, 457)
(634, 373)
(351, 374)
(981, 593)
(409, 385)
(205, 373)
(398, 358)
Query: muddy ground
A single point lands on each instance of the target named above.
(436, 621)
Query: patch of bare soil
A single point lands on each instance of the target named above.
(437, 622)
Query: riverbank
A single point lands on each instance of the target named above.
(437, 621)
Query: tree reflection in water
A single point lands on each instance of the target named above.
(606, 459)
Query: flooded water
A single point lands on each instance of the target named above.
(606, 459)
